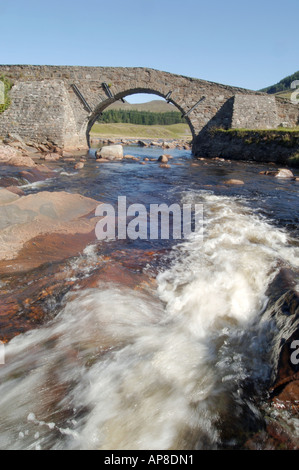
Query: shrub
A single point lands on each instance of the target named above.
(7, 87)
(294, 160)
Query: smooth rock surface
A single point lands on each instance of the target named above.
(24, 218)
(111, 152)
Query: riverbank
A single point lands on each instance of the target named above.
(122, 130)
(279, 146)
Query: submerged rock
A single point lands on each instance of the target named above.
(164, 165)
(79, 166)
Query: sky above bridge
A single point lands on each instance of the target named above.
(247, 44)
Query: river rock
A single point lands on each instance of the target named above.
(156, 144)
(79, 166)
(280, 173)
(131, 157)
(163, 159)
(7, 181)
(234, 182)
(164, 165)
(111, 152)
(51, 157)
(38, 173)
(21, 161)
(169, 145)
(284, 173)
(7, 152)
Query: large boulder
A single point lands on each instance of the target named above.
(7, 152)
(111, 152)
(6, 197)
(21, 162)
(279, 173)
(13, 157)
(284, 173)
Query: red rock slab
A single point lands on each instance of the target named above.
(8, 181)
(40, 173)
(289, 396)
(16, 190)
(117, 274)
(23, 306)
(47, 248)
(24, 297)
(274, 437)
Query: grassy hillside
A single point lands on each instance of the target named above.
(119, 130)
(282, 88)
(285, 94)
(155, 106)
(174, 131)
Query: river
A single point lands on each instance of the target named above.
(183, 362)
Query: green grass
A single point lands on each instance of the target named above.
(174, 131)
(7, 87)
(294, 160)
(154, 106)
(285, 94)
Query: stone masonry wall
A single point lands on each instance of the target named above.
(45, 106)
(288, 114)
(254, 112)
(36, 116)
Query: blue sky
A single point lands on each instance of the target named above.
(247, 44)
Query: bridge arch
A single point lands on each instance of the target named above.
(92, 118)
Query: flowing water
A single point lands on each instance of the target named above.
(181, 364)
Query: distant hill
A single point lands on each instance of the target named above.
(282, 88)
(155, 106)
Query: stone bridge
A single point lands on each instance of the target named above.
(59, 104)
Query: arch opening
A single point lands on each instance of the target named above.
(120, 97)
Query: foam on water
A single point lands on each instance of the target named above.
(122, 369)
